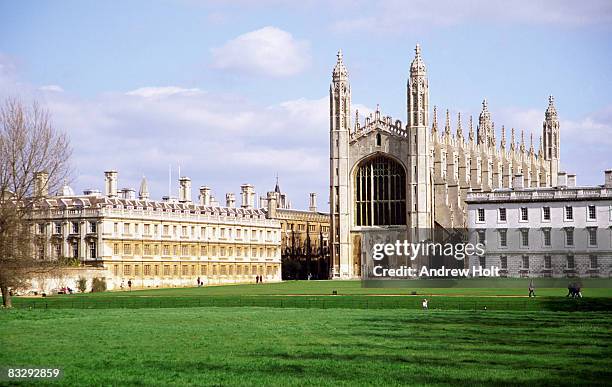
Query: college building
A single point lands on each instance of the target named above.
(565, 231)
(392, 180)
(122, 237)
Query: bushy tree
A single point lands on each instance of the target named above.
(82, 284)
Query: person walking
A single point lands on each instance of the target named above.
(199, 282)
(531, 289)
(425, 304)
(130, 285)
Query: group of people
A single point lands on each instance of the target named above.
(129, 284)
(200, 282)
(259, 279)
(574, 290)
(66, 290)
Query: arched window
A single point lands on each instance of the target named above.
(380, 192)
(378, 139)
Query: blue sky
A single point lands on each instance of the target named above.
(236, 92)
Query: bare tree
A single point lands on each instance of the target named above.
(34, 159)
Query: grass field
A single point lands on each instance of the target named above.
(319, 294)
(298, 333)
(592, 288)
(271, 346)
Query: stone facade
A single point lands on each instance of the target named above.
(436, 166)
(161, 243)
(564, 231)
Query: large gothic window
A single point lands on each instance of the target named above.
(380, 187)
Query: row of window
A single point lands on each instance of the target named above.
(569, 263)
(302, 227)
(546, 237)
(192, 250)
(154, 270)
(73, 250)
(202, 232)
(74, 227)
(502, 214)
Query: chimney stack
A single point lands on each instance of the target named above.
(571, 180)
(608, 178)
(204, 196)
(128, 193)
(562, 179)
(184, 190)
(230, 200)
(41, 184)
(313, 202)
(110, 184)
(272, 205)
(248, 195)
(518, 181)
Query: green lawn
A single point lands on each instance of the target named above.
(509, 287)
(245, 346)
(350, 294)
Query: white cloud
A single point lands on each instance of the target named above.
(51, 88)
(396, 16)
(157, 92)
(268, 51)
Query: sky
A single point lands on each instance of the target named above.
(236, 92)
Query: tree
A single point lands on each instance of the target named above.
(34, 159)
(82, 284)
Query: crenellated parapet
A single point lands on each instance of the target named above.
(377, 122)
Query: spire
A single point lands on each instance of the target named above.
(434, 126)
(484, 125)
(417, 101)
(340, 72)
(471, 132)
(357, 125)
(459, 130)
(512, 140)
(540, 150)
(447, 129)
(531, 150)
(417, 64)
(493, 143)
(143, 192)
(277, 187)
(551, 110)
(522, 147)
(502, 143)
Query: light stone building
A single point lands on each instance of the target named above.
(391, 180)
(160, 243)
(565, 231)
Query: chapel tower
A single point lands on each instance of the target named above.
(550, 137)
(340, 112)
(419, 198)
